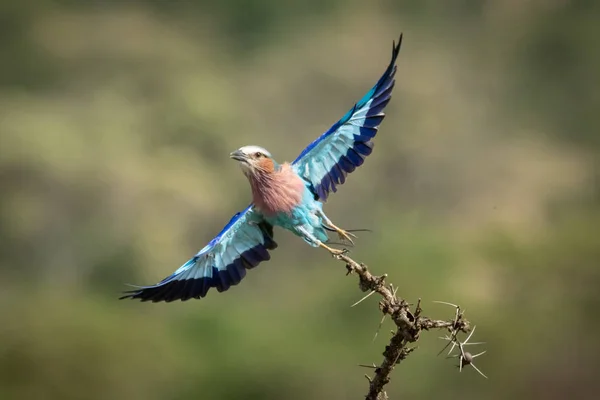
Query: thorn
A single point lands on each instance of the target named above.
(478, 354)
(452, 347)
(363, 299)
(451, 340)
(368, 366)
(480, 373)
(464, 357)
(445, 302)
(470, 334)
(396, 361)
(382, 278)
(368, 378)
(379, 327)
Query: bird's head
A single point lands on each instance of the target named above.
(254, 160)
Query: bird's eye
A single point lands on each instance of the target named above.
(258, 154)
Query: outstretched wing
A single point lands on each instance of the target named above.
(242, 244)
(326, 161)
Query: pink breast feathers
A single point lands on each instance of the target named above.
(276, 191)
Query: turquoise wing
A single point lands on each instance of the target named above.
(325, 163)
(242, 244)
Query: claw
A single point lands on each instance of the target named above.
(335, 252)
(345, 235)
(342, 234)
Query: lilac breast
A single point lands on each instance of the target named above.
(278, 191)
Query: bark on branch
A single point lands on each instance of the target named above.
(409, 324)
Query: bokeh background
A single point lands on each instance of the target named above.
(116, 121)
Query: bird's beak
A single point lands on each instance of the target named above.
(239, 156)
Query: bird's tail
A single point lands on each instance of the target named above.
(347, 230)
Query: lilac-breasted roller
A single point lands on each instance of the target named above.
(287, 195)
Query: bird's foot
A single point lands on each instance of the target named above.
(342, 234)
(345, 235)
(334, 252)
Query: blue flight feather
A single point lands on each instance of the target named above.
(243, 243)
(337, 152)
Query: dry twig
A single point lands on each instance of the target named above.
(409, 325)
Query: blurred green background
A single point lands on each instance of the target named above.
(116, 121)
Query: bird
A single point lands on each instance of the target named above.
(286, 195)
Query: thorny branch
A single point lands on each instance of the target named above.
(409, 324)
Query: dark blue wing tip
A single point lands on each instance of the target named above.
(391, 69)
(171, 288)
(396, 49)
(380, 95)
(383, 85)
(385, 81)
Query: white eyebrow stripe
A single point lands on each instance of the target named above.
(254, 149)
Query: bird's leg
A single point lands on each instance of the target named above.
(313, 240)
(344, 235)
(335, 252)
